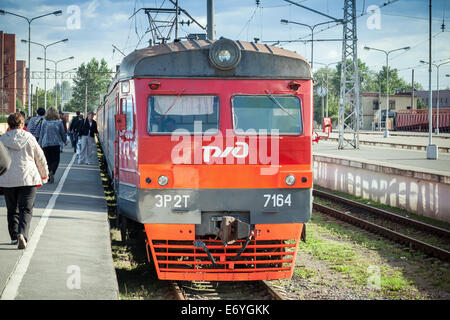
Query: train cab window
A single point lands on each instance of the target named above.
(127, 109)
(267, 113)
(196, 114)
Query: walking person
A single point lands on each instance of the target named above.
(63, 119)
(88, 130)
(51, 136)
(74, 127)
(20, 182)
(35, 123)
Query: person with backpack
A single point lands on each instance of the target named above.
(51, 136)
(35, 123)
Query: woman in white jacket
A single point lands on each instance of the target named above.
(28, 170)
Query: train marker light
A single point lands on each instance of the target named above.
(225, 54)
(163, 180)
(125, 86)
(290, 180)
(154, 85)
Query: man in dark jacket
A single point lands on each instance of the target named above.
(88, 130)
(74, 128)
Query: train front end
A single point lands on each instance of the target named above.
(224, 159)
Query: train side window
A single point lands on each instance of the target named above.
(261, 112)
(127, 109)
(195, 114)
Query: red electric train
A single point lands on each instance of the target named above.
(208, 145)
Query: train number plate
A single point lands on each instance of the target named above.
(173, 201)
(277, 200)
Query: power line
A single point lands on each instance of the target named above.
(359, 16)
(248, 22)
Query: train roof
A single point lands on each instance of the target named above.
(192, 58)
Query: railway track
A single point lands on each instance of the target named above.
(398, 228)
(240, 290)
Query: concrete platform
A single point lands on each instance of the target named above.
(400, 178)
(69, 251)
(400, 140)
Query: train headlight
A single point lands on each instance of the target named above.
(290, 180)
(225, 54)
(163, 180)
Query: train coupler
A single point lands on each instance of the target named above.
(232, 229)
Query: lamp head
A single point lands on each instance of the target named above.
(65, 40)
(2, 12)
(39, 58)
(284, 21)
(23, 41)
(366, 48)
(57, 13)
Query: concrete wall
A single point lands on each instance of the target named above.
(421, 193)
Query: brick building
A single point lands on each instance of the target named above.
(8, 72)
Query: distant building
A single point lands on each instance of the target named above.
(371, 102)
(444, 98)
(8, 72)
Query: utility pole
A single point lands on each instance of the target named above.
(349, 108)
(210, 19)
(412, 89)
(85, 99)
(432, 150)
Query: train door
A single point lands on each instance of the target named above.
(126, 159)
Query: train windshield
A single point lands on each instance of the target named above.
(196, 114)
(267, 112)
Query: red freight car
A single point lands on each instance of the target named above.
(417, 120)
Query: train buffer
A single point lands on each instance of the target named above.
(68, 256)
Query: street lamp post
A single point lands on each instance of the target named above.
(437, 84)
(62, 80)
(311, 27)
(386, 131)
(326, 100)
(56, 13)
(45, 64)
(56, 66)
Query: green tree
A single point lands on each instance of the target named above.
(92, 77)
(396, 84)
(19, 105)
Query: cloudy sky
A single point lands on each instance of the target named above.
(93, 27)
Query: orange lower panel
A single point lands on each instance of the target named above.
(270, 255)
(225, 176)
